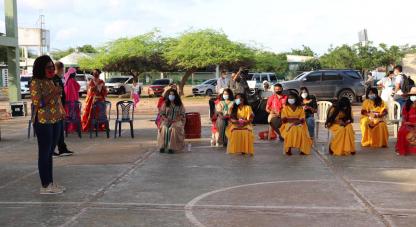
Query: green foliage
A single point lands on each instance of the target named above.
(339, 58)
(310, 65)
(305, 51)
(87, 48)
(270, 62)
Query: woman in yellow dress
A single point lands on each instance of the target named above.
(339, 121)
(373, 127)
(240, 130)
(294, 130)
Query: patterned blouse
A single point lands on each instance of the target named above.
(46, 113)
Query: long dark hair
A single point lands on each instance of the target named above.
(177, 101)
(235, 106)
(307, 91)
(377, 100)
(343, 105)
(230, 94)
(39, 66)
(408, 104)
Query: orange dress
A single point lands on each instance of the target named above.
(93, 97)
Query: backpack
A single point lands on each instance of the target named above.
(407, 84)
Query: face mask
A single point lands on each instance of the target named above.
(50, 73)
(238, 102)
(413, 98)
(372, 97)
(225, 97)
(279, 92)
(291, 101)
(171, 98)
(304, 95)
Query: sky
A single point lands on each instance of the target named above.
(275, 25)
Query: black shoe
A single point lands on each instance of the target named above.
(171, 151)
(55, 155)
(66, 153)
(162, 150)
(281, 139)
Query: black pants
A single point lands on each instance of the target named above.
(61, 142)
(48, 136)
(276, 123)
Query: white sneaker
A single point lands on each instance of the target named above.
(50, 190)
(58, 186)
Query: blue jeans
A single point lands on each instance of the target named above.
(401, 101)
(47, 136)
(310, 122)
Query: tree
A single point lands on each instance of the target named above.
(310, 65)
(199, 49)
(341, 57)
(390, 56)
(270, 62)
(305, 51)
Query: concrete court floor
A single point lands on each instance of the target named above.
(126, 182)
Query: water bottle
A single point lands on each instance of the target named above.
(189, 147)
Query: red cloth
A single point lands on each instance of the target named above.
(160, 102)
(265, 134)
(403, 147)
(276, 103)
(92, 97)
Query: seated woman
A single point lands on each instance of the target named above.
(223, 109)
(406, 139)
(310, 106)
(161, 102)
(373, 128)
(294, 130)
(240, 130)
(171, 135)
(339, 122)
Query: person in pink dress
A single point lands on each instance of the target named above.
(71, 89)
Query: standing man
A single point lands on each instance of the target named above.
(238, 84)
(275, 104)
(402, 85)
(222, 82)
(59, 80)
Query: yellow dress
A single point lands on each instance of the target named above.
(296, 136)
(343, 138)
(374, 130)
(241, 139)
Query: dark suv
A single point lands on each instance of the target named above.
(329, 84)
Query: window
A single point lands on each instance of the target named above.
(264, 77)
(329, 76)
(313, 77)
(80, 78)
(130, 81)
(353, 74)
(25, 78)
(273, 78)
(161, 82)
(117, 80)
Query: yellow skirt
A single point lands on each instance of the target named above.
(343, 139)
(240, 140)
(296, 137)
(373, 137)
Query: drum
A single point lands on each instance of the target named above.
(193, 126)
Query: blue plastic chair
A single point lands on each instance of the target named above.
(125, 114)
(73, 116)
(100, 115)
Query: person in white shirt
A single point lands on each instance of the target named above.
(387, 84)
(268, 90)
(398, 93)
(222, 82)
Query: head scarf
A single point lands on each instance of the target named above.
(68, 73)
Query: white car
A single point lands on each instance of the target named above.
(120, 85)
(24, 86)
(83, 80)
(256, 82)
(205, 88)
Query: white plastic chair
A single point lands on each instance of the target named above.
(320, 117)
(394, 116)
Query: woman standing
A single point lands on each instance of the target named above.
(135, 93)
(71, 89)
(373, 128)
(310, 106)
(47, 118)
(240, 131)
(96, 93)
(294, 129)
(387, 84)
(339, 121)
(223, 109)
(171, 136)
(406, 139)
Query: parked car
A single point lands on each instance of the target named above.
(158, 87)
(120, 85)
(329, 84)
(25, 85)
(83, 80)
(256, 82)
(205, 88)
